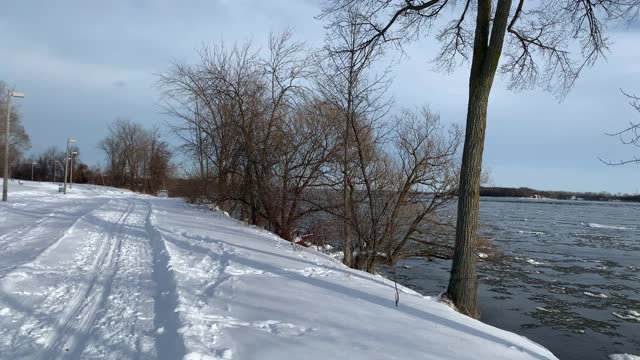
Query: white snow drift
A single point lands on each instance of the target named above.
(104, 273)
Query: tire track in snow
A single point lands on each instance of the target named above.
(200, 273)
(169, 341)
(207, 275)
(72, 331)
(17, 232)
(21, 230)
(38, 225)
(124, 328)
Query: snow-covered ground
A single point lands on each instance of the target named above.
(103, 273)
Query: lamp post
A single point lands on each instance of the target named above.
(66, 161)
(7, 133)
(71, 172)
(32, 165)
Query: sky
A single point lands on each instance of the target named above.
(84, 64)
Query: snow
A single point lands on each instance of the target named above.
(109, 274)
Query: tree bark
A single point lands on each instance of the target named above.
(347, 246)
(346, 234)
(463, 281)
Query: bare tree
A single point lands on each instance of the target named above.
(41, 167)
(136, 157)
(50, 164)
(535, 37)
(427, 178)
(255, 120)
(629, 135)
(298, 141)
(344, 80)
(400, 178)
(300, 155)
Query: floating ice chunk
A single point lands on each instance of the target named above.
(623, 357)
(530, 232)
(599, 295)
(601, 226)
(545, 309)
(534, 262)
(627, 315)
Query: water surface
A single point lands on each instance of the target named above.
(570, 277)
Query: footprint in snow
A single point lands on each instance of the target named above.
(223, 354)
(231, 270)
(312, 271)
(281, 328)
(275, 327)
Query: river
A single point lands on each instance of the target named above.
(570, 279)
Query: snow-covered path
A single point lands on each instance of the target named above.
(82, 283)
(108, 274)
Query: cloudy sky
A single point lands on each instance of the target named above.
(84, 63)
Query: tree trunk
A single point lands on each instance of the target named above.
(463, 281)
(487, 48)
(347, 247)
(346, 234)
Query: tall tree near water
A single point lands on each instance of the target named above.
(546, 43)
(344, 80)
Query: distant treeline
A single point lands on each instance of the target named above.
(560, 195)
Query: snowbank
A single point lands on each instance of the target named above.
(128, 276)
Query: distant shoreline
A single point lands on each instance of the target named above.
(524, 192)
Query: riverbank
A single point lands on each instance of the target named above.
(106, 273)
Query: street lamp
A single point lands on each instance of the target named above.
(71, 172)
(66, 161)
(32, 165)
(5, 184)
